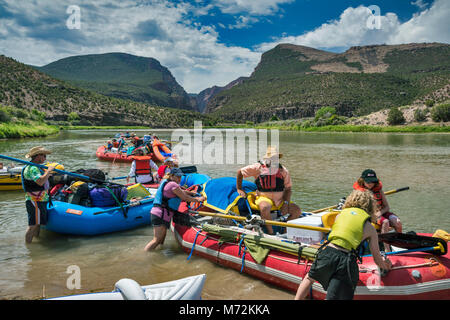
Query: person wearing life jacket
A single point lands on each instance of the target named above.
(36, 185)
(165, 168)
(273, 186)
(167, 200)
(141, 168)
(385, 218)
(336, 266)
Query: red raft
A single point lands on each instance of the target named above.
(415, 275)
(112, 156)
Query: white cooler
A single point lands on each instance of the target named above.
(303, 235)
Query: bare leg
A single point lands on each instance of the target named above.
(294, 211)
(158, 238)
(304, 287)
(264, 208)
(30, 233)
(385, 229)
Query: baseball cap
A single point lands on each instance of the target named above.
(176, 172)
(369, 176)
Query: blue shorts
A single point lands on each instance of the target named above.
(37, 212)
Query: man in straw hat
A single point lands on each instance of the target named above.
(35, 184)
(273, 186)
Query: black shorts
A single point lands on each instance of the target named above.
(337, 272)
(157, 221)
(37, 212)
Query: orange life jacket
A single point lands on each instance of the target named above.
(376, 191)
(142, 165)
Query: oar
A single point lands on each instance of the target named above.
(413, 241)
(132, 204)
(76, 175)
(267, 222)
(386, 193)
(437, 250)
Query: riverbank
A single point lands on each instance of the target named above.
(31, 130)
(292, 125)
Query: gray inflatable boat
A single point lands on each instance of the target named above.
(189, 288)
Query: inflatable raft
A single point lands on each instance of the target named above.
(189, 288)
(112, 156)
(68, 218)
(421, 263)
(160, 151)
(10, 179)
(415, 275)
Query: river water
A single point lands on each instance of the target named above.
(323, 167)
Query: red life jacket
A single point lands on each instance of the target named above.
(270, 182)
(142, 165)
(376, 191)
(161, 171)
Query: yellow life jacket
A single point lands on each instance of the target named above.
(347, 231)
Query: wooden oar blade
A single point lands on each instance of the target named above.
(414, 241)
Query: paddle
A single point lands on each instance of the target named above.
(386, 193)
(436, 250)
(76, 175)
(132, 204)
(188, 169)
(257, 219)
(414, 241)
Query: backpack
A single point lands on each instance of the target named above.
(107, 195)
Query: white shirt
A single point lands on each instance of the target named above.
(142, 178)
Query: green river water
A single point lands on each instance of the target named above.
(323, 167)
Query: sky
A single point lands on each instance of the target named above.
(213, 42)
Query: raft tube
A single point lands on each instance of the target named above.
(415, 275)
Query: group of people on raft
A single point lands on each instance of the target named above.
(119, 143)
(335, 266)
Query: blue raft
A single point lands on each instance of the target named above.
(74, 219)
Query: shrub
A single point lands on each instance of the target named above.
(395, 117)
(420, 115)
(441, 113)
(429, 103)
(4, 116)
(324, 112)
(73, 116)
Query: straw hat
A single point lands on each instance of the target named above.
(37, 150)
(272, 151)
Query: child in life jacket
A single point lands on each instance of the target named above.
(386, 218)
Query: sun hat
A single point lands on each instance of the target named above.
(271, 152)
(176, 172)
(37, 150)
(369, 176)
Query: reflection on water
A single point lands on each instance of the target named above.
(323, 167)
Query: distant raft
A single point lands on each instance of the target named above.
(161, 151)
(106, 155)
(189, 288)
(10, 179)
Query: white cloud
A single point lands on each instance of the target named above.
(351, 29)
(420, 4)
(35, 33)
(252, 7)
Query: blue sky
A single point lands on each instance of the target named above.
(206, 43)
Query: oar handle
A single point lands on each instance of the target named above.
(76, 175)
(386, 193)
(267, 222)
(132, 204)
(396, 190)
